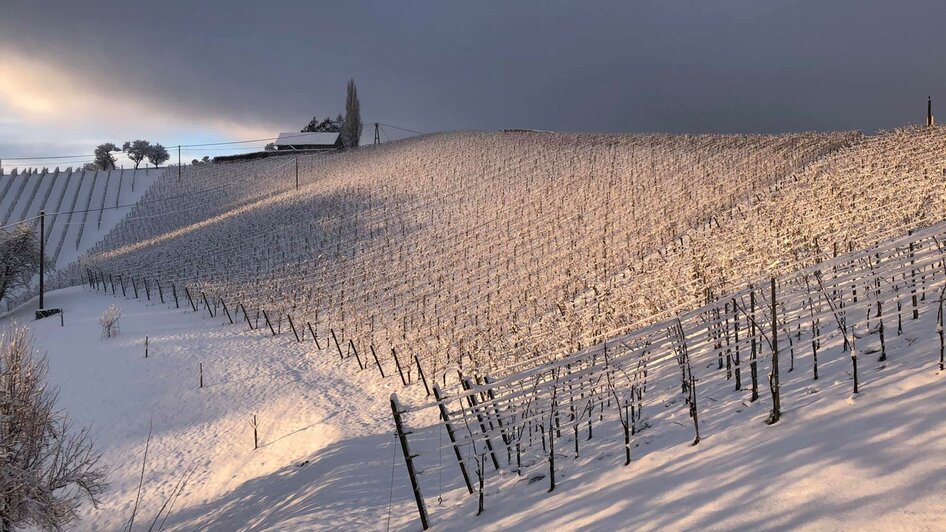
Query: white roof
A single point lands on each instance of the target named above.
(302, 139)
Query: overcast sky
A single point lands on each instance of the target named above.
(73, 74)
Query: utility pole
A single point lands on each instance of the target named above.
(377, 134)
(42, 255)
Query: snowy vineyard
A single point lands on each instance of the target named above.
(707, 362)
(556, 295)
(80, 205)
(454, 250)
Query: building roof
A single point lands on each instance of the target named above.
(306, 139)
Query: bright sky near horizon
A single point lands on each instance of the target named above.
(74, 74)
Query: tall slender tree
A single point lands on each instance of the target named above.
(351, 129)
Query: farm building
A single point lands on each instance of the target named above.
(308, 141)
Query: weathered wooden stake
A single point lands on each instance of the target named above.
(207, 304)
(883, 343)
(314, 336)
(854, 356)
(225, 309)
(293, 326)
(398, 364)
(409, 461)
(774, 377)
(444, 415)
(507, 438)
(753, 353)
(420, 371)
(551, 453)
(189, 298)
(352, 349)
(337, 345)
(247, 316)
(376, 361)
(471, 399)
(266, 317)
(939, 330)
(482, 475)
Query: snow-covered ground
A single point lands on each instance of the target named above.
(311, 411)
(873, 461)
(81, 207)
(328, 457)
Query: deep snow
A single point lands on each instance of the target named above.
(869, 462)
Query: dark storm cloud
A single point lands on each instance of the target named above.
(709, 66)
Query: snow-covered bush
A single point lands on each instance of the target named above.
(19, 258)
(109, 321)
(46, 468)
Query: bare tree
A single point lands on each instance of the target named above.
(46, 468)
(19, 256)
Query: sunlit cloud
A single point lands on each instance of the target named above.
(45, 108)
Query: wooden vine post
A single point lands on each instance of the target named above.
(445, 416)
(409, 460)
(773, 377)
(753, 365)
(293, 326)
(471, 400)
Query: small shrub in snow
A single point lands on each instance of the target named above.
(109, 321)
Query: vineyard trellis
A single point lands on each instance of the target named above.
(332, 248)
(518, 417)
(516, 271)
(683, 350)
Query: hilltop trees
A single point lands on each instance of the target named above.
(351, 129)
(104, 160)
(157, 154)
(46, 468)
(329, 125)
(136, 151)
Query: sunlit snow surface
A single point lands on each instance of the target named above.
(869, 462)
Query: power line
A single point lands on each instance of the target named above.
(86, 155)
(201, 145)
(402, 129)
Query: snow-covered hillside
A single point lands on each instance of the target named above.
(458, 248)
(328, 458)
(81, 206)
(578, 301)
